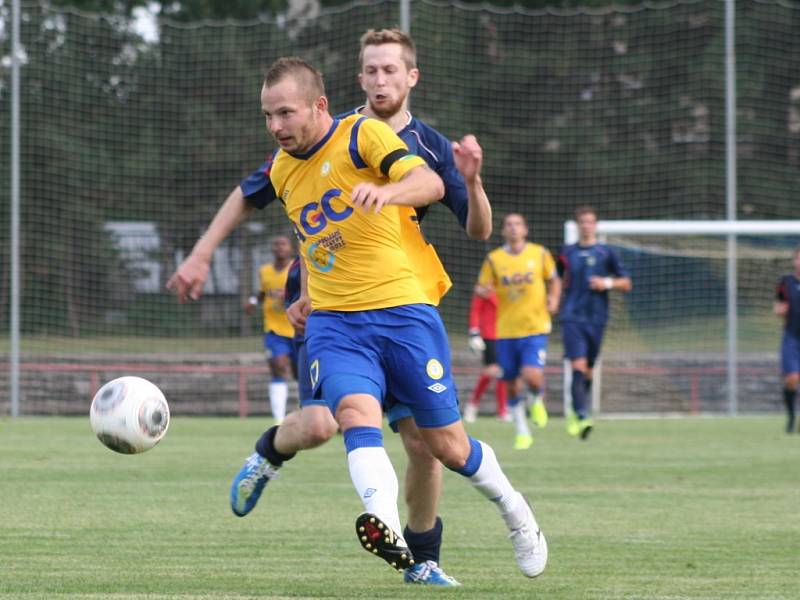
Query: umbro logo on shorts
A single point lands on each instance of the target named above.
(437, 387)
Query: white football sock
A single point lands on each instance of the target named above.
(520, 420)
(278, 392)
(490, 481)
(376, 484)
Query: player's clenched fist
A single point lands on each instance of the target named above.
(468, 156)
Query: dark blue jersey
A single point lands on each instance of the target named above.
(789, 292)
(421, 139)
(576, 264)
(257, 187)
(292, 289)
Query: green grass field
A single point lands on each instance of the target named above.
(692, 508)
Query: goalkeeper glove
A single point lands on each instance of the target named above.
(476, 343)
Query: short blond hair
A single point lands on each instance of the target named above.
(307, 77)
(378, 37)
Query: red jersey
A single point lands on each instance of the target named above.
(483, 315)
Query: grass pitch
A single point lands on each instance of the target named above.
(693, 508)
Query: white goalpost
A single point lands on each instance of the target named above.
(726, 243)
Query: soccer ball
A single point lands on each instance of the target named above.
(129, 415)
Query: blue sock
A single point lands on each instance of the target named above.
(473, 460)
(514, 400)
(427, 544)
(579, 394)
(265, 446)
(362, 437)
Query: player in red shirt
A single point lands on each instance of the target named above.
(482, 319)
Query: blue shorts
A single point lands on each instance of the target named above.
(304, 391)
(278, 345)
(403, 348)
(790, 354)
(582, 340)
(515, 353)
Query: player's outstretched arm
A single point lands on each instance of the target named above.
(468, 156)
(419, 187)
(190, 277)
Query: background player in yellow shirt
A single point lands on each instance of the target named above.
(528, 288)
(278, 332)
(349, 187)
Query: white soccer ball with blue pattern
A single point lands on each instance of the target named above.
(129, 415)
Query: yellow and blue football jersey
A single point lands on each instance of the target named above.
(519, 281)
(273, 285)
(356, 260)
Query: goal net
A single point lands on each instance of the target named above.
(669, 347)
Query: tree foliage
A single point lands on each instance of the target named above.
(621, 110)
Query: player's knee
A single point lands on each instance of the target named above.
(535, 378)
(320, 432)
(580, 364)
(452, 456)
(791, 381)
(280, 367)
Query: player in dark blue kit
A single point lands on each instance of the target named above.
(589, 270)
(388, 60)
(787, 306)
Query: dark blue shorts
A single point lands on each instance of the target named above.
(790, 354)
(403, 349)
(582, 340)
(515, 353)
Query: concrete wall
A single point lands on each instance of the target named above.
(230, 384)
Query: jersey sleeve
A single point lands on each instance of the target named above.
(615, 266)
(455, 189)
(381, 149)
(257, 187)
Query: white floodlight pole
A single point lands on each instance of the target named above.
(731, 201)
(14, 324)
(405, 15)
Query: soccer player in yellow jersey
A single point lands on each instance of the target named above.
(278, 332)
(388, 74)
(528, 288)
(348, 185)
